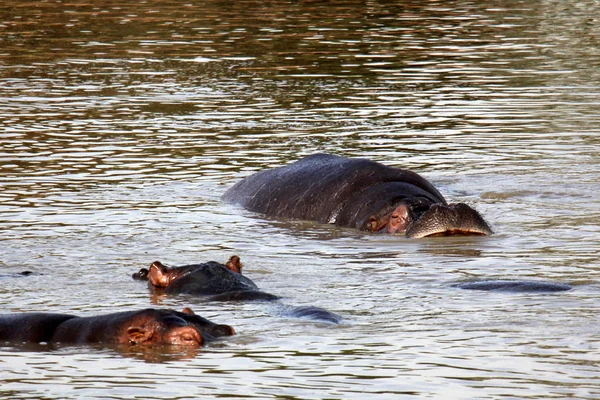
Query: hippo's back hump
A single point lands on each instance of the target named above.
(518, 286)
(316, 186)
(30, 327)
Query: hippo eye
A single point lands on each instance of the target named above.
(419, 208)
(187, 339)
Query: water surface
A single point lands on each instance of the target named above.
(121, 125)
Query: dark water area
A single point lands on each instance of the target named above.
(122, 124)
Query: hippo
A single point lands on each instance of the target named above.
(356, 193)
(16, 274)
(315, 313)
(234, 264)
(219, 282)
(518, 286)
(143, 327)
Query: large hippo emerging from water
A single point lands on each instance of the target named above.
(357, 193)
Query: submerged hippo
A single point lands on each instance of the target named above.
(518, 286)
(144, 327)
(16, 274)
(356, 193)
(219, 282)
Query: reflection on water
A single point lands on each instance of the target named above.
(122, 124)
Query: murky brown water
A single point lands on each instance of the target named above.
(122, 123)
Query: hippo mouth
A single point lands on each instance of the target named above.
(453, 219)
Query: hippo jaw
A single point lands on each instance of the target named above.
(453, 219)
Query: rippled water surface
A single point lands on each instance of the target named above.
(122, 123)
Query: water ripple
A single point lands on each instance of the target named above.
(121, 126)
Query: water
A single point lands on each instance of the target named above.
(122, 124)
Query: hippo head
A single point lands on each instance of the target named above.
(423, 220)
(150, 328)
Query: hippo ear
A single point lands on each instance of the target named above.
(157, 274)
(138, 334)
(235, 264)
(188, 311)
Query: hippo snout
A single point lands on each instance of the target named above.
(453, 219)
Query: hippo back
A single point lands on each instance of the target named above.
(30, 327)
(209, 279)
(517, 286)
(322, 187)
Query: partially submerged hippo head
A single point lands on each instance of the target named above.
(209, 278)
(424, 221)
(144, 327)
(162, 276)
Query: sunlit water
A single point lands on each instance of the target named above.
(122, 124)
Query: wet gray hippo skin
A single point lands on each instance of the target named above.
(219, 282)
(143, 327)
(356, 193)
(30, 327)
(315, 313)
(517, 286)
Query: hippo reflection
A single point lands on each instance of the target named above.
(357, 193)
